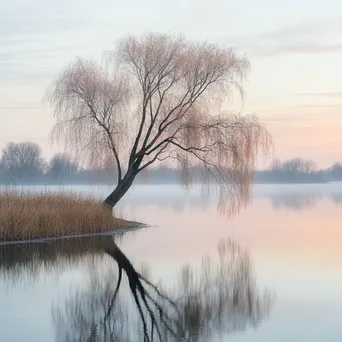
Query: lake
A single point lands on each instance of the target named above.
(272, 273)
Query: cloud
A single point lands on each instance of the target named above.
(337, 94)
(41, 18)
(323, 27)
(310, 37)
(20, 107)
(319, 105)
(299, 48)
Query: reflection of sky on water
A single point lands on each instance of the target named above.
(295, 252)
(75, 281)
(291, 197)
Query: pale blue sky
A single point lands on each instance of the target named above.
(295, 49)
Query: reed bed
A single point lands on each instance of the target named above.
(27, 216)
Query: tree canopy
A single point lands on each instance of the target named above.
(161, 98)
(21, 161)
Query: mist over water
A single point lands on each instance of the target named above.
(291, 235)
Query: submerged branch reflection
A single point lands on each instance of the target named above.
(121, 304)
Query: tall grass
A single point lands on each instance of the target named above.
(25, 216)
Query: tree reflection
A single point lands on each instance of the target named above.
(26, 262)
(122, 304)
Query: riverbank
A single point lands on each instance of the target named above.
(46, 216)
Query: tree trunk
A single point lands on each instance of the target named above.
(120, 190)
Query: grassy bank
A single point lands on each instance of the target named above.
(26, 216)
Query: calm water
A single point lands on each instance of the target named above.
(274, 273)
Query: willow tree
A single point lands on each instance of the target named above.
(159, 98)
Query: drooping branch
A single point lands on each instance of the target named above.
(159, 98)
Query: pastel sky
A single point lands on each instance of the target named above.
(295, 49)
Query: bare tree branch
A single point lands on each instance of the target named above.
(159, 98)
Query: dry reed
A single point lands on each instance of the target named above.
(26, 216)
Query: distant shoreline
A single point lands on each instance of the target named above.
(162, 183)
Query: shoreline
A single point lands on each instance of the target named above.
(130, 226)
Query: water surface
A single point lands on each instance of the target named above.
(281, 279)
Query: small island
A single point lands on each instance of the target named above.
(28, 216)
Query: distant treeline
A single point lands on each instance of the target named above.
(22, 163)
